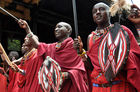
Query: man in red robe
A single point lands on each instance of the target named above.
(114, 54)
(27, 79)
(3, 80)
(3, 77)
(12, 86)
(13, 74)
(74, 79)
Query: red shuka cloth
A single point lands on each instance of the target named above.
(29, 82)
(69, 61)
(13, 78)
(132, 69)
(3, 82)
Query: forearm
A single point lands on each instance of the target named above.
(18, 61)
(34, 39)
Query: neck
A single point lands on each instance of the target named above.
(28, 51)
(61, 40)
(103, 25)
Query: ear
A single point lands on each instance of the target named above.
(69, 31)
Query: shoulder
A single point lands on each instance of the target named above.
(91, 34)
(126, 29)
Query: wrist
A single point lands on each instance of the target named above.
(83, 53)
(30, 34)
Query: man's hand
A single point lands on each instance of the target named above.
(78, 45)
(15, 67)
(23, 24)
(134, 15)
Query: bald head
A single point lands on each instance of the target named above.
(68, 26)
(101, 4)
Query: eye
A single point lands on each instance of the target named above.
(94, 11)
(102, 9)
(59, 26)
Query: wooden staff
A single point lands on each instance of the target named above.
(4, 56)
(8, 13)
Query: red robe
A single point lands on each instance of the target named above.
(130, 74)
(3, 82)
(13, 86)
(29, 82)
(69, 61)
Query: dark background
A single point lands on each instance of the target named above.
(46, 14)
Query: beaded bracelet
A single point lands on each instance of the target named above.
(83, 53)
(29, 34)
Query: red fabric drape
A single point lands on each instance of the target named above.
(69, 61)
(131, 68)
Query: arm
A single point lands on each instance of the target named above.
(18, 61)
(78, 45)
(23, 24)
(88, 41)
(17, 69)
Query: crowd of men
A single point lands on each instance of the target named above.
(110, 64)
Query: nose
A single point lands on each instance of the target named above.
(98, 11)
(56, 29)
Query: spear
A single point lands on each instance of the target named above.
(75, 17)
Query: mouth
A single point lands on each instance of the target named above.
(98, 17)
(57, 34)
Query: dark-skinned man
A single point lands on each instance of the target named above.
(18, 80)
(114, 54)
(64, 54)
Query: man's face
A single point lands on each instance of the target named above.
(100, 13)
(61, 31)
(24, 48)
(27, 42)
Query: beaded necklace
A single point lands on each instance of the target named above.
(98, 33)
(102, 31)
(28, 55)
(58, 45)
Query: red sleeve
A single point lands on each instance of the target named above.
(42, 48)
(133, 61)
(11, 74)
(3, 83)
